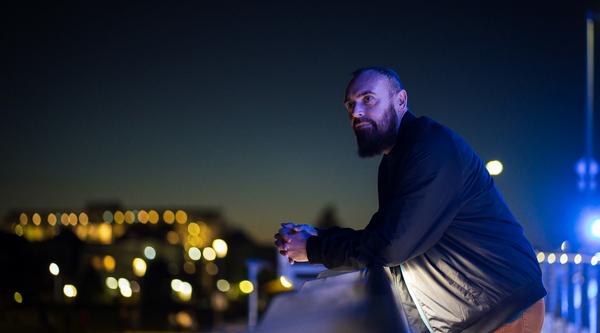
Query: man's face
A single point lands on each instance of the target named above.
(369, 102)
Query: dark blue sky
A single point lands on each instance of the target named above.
(238, 104)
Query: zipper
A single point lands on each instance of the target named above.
(414, 299)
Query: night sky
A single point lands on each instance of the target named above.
(238, 104)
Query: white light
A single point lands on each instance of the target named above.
(194, 253)
(220, 247)
(186, 288)
(69, 290)
(577, 259)
(176, 284)
(53, 268)
(149, 252)
(186, 291)
(209, 253)
(596, 228)
(139, 267)
(285, 282)
(123, 284)
(594, 261)
(540, 257)
(223, 285)
(592, 288)
(551, 258)
(494, 167)
(564, 246)
(564, 258)
(112, 283)
(126, 292)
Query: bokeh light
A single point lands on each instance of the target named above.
(149, 252)
(69, 290)
(194, 253)
(73, 219)
(142, 216)
(112, 283)
(168, 216)
(194, 229)
(172, 237)
(18, 297)
(129, 217)
(541, 256)
(109, 263)
(211, 268)
(23, 218)
(52, 219)
(54, 269)
(209, 253)
(107, 216)
(220, 247)
(83, 218)
(181, 217)
(139, 267)
(119, 217)
(285, 282)
(494, 167)
(223, 285)
(246, 287)
(153, 217)
(36, 219)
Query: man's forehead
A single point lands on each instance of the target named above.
(370, 81)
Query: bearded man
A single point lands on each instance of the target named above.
(457, 254)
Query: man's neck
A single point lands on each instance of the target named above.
(386, 151)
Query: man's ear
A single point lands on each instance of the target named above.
(401, 100)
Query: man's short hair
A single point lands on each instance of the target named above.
(387, 72)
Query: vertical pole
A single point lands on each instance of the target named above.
(577, 281)
(254, 267)
(589, 101)
(592, 294)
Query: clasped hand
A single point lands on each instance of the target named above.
(291, 241)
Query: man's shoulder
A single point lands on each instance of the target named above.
(426, 133)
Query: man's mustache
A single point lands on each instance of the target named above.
(363, 120)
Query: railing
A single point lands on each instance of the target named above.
(572, 284)
(360, 301)
(365, 302)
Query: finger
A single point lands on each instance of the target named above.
(281, 246)
(285, 238)
(283, 253)
(288, 225)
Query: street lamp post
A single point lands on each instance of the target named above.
(587, 167)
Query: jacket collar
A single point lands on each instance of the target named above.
(405, 124)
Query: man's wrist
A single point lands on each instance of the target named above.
(313, 250)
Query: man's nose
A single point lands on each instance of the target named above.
(358, 111)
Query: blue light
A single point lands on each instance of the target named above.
(596, 228)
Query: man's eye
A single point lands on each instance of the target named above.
(350, 105)
(369, 99)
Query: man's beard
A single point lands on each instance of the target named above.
(374, 140)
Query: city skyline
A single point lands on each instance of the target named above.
(239, 106)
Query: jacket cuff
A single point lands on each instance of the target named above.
(313, 250)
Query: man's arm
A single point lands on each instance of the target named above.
(425, 201)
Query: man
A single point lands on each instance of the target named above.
(457, 254)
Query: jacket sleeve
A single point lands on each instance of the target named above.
(426, 197)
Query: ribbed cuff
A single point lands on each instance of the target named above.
(313, 250)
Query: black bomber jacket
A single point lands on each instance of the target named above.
(458, 255)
